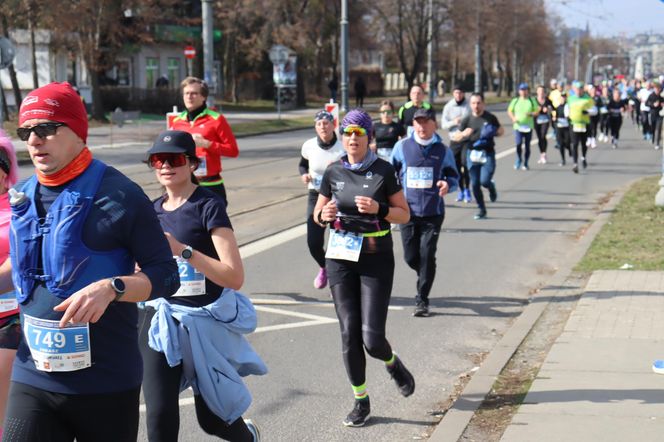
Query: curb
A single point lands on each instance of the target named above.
(455, 421)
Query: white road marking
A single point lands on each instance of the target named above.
(182, 401)
(312, 319)
(263, 301)
(264, 244)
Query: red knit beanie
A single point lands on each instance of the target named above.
(57, 102)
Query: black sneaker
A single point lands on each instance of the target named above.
(402, 377)
(575, 168)
(421, 310)
(584, 163)
(493, 193)
(360, 414)
(480, 215)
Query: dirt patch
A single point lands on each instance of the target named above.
(510, 389)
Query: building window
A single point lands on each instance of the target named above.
(174, 72)
(151, 71)
(122, 73)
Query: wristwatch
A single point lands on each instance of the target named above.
(118, 286)
(187, 253)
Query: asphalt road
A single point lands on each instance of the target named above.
(488, 270)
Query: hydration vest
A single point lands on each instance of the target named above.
(423, 201)
(51, 250)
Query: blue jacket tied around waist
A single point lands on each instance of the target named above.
(209, 341)
(66, 264)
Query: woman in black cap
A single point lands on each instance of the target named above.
(199, 232)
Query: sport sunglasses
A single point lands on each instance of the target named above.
(42, 130)
(157, 160)
(354, 129)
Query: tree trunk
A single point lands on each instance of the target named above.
(5, 108)
(33, 49)
(97, 105)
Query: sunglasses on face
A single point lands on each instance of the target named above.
(357, 130)
(386, 111)
(42, 130)
(157, 160)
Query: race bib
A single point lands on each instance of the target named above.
(603, 110)
(592, 111)
(419, 177)
(477, 156)
(57, 349)
(8, 302)
(201, 170)
(344, 245)
(192, 282)
(632, 102)
(524, 129)
(579, 128)
(316, 180)
(562, 122)
(541, 119)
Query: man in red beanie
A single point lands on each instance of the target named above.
(79, 229)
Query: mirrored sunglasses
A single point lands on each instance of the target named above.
(42, 130)
(353, 129)
(157, 160)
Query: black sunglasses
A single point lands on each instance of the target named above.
(42, 130)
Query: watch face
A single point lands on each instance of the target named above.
(187, 253)
(118, 285)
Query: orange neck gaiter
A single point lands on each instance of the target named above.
(70, 171)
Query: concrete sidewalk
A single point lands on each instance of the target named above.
(596, 383)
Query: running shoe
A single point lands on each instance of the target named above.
(575, 168)
(493, 193)
(466, 196)
(480, 215)
(517, 164)
(421, 310)
(360, 413)
(524, 167)
(402, 377)
(614, 144)
(658, 147)
(658, 366)
(253, 429)
(584, 163)
(320, 282)
(593, 143)
(460, 195)
(562, 163)
(544, 158)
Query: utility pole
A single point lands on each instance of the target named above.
(478, 54)
(344, 55)
(208, 45)
(576, 59)
(430, 67)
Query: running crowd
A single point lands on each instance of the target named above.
(107, 293)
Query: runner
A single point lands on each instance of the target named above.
(654, 102)
(388, 131)
(199, 233)
(478, 131)
(643, 94)
(616, 107)
(542, 121)
(453, 113)
(634, 103)
(580, 104)
(360, 196)
(554, 96)
(593, 113)
(10, 328)
(428, 172)
(317, 154)
(77, 372)
(523, 110)
(409, 108)
(561, 122)
(605, 98)
(214, 137)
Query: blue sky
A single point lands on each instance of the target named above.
(611, 17)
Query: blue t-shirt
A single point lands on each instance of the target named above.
(191, 224)
(121, 217)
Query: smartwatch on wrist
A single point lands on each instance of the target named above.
(118, 286)
(187, 253)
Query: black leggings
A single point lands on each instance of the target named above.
(579, 138)
(161, 389)
(604, 123)
(35, 415)
(541, 130)
(464, 177)
(645, 123)
(315, 233)
(361, 292)
(563, 137)
(594, 122)
(614, 125)
(656, 125)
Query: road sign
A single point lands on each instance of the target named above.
(333, 108)
(279, 54)
(189, 52)
(7, 52)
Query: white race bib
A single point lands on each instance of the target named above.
(57, 349)
(603, 110)
(562, 122)
(580, 128)
(8, 302)
(344, 245)
(477, 156)
(524, 129)
(419, 177)
(201, 170)
(541, 119)
(192, 282)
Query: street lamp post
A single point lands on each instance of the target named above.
(344, 55)
(208, 45)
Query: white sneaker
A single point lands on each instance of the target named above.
(593, 143)
(253, 429)
(657, 147)
(543, 158)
